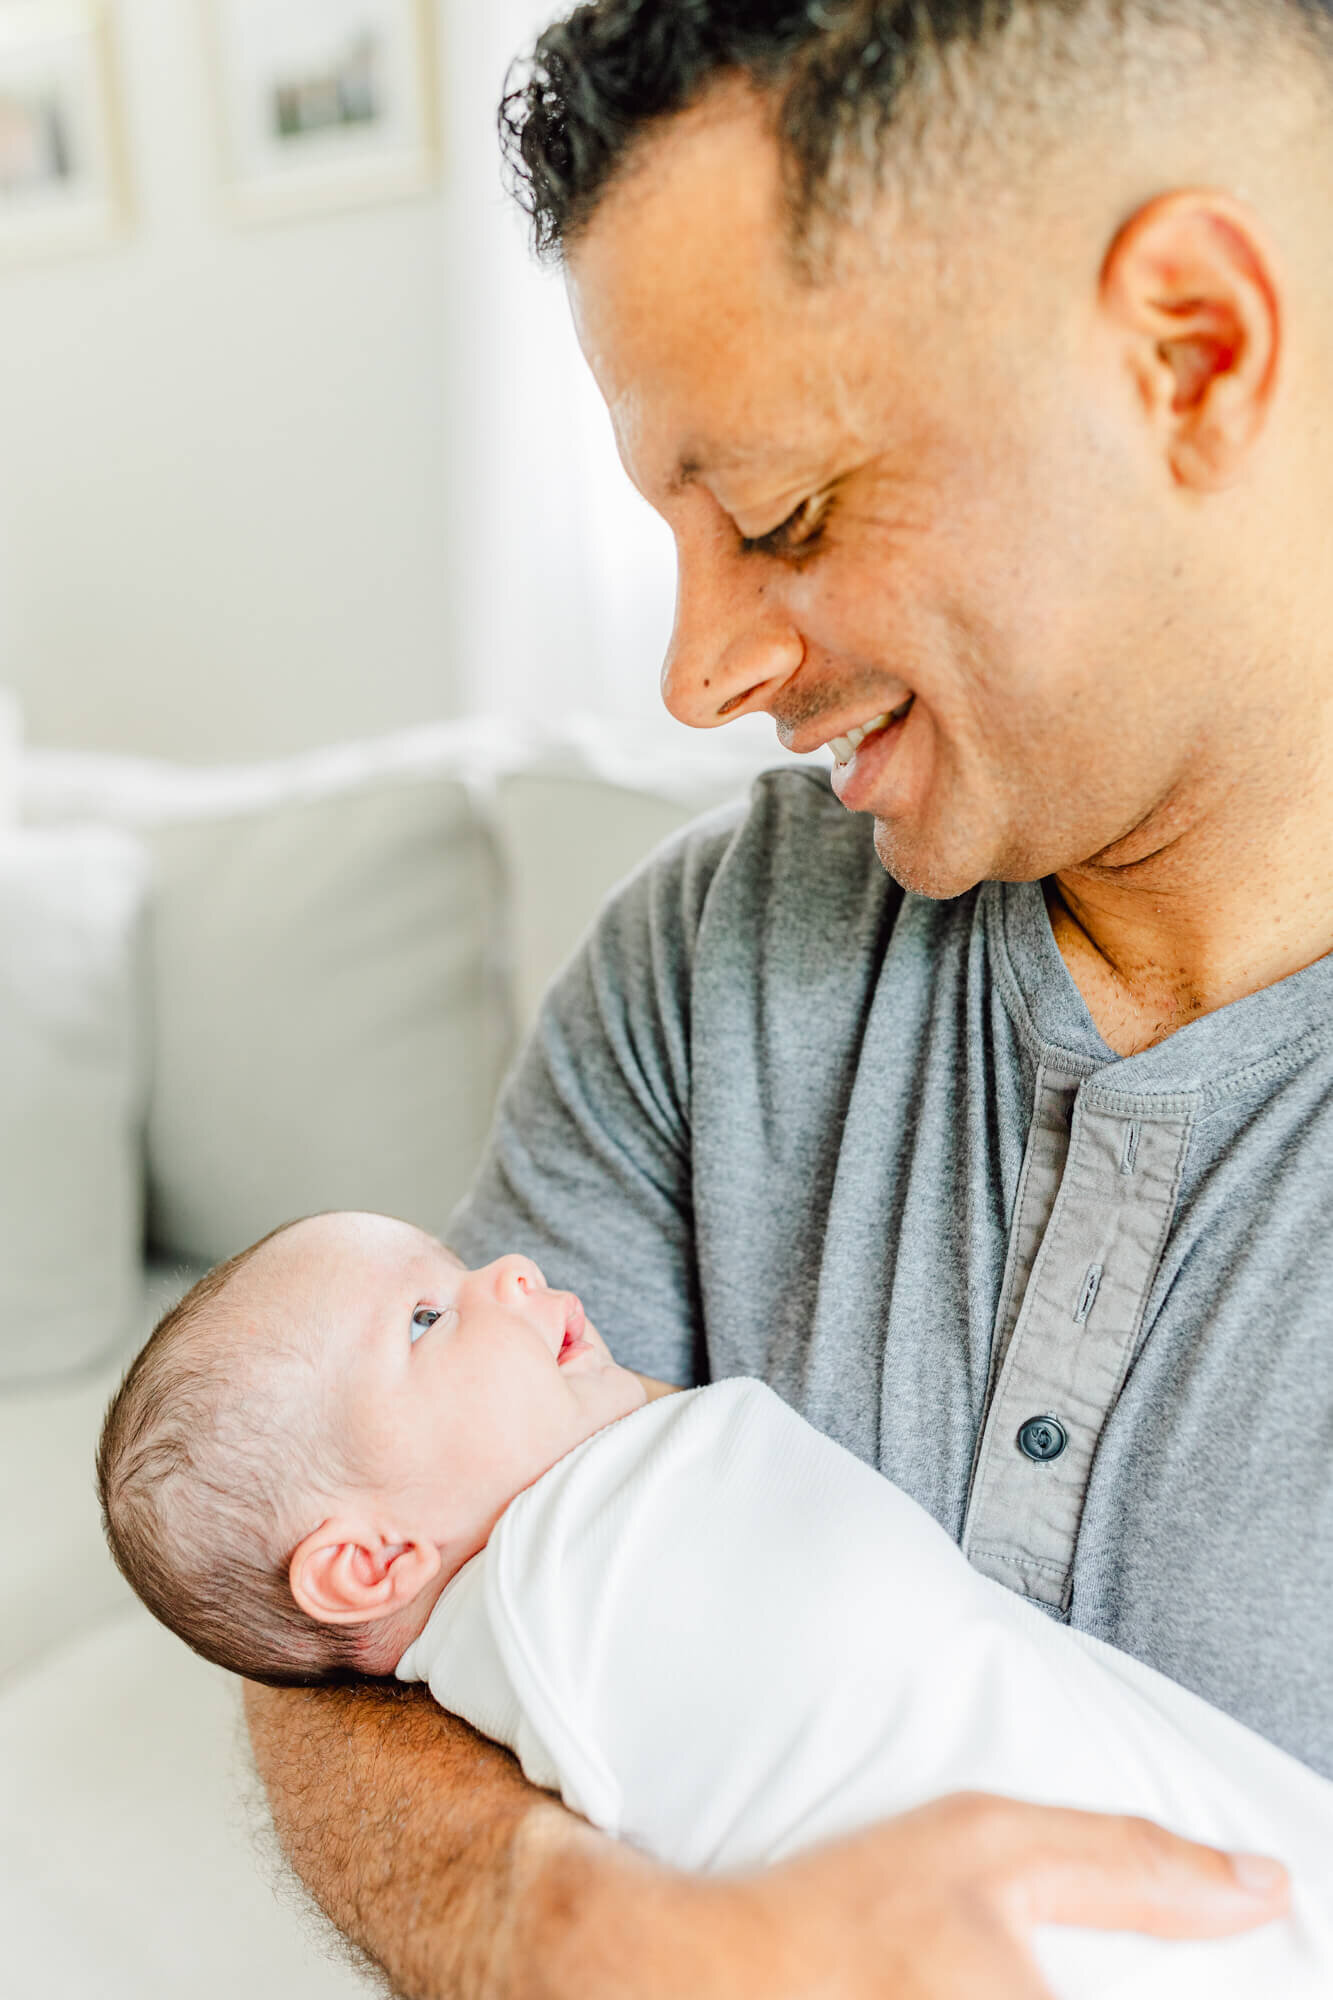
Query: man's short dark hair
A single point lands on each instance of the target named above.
(843, 74)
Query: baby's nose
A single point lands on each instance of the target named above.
(515, 1276)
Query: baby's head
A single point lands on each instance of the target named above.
(327, 1427)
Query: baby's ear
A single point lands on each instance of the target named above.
(344, 1573)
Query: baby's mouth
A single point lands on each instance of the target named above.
(573, 1342)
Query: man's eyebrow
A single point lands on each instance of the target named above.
(684, 475)
(768, 461)
(694, 463)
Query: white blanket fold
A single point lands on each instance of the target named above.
(721, 1637)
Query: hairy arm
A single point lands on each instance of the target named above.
(400, 1820)
(427, 1847)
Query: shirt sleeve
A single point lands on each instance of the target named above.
(588, 1165)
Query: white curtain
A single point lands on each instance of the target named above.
(569, 576)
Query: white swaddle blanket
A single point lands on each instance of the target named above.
(721, 1637)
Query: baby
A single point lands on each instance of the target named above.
(712, 1630)
(327, 1427)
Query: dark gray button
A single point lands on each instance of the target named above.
(1042, 1438)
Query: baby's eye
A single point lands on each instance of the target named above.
(422, 1320)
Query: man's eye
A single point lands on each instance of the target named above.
(422, 1320)
(794, 536)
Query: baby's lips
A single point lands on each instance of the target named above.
(575, 1322)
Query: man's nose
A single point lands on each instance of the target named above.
(733, 647)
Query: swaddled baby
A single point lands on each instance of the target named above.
(327, 1427)
(714, 1631)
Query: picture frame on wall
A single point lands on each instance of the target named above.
(323, 103)
(62, 177)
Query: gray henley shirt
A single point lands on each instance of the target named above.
(780, 1119)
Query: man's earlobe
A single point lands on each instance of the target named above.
(1193, 283)
(344, 1573)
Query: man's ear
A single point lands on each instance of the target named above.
(345, 1573)
(1192, 278)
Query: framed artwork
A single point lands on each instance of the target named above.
(323, 103)
(62, 182)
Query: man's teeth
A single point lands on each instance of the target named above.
(844, 748)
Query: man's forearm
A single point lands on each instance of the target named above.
(403, 1823)
(428, 1848)
(426, 1845)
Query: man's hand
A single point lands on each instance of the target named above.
(935, 1905)
(939, 1903)
(427, 1846)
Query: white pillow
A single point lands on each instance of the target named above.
(333, 940)
(71, 1095)
(329, 1003)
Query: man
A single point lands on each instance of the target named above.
(981, 360)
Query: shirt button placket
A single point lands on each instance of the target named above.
(1074, 1331)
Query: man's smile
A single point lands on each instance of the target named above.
(857, 775)
(844, 748)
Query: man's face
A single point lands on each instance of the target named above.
(893, 496)
(449, 1390)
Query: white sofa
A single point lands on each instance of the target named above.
(423, 888)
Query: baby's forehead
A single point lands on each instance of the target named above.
(350, 1239)
(333, 1267)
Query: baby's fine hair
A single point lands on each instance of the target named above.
(207, 1456)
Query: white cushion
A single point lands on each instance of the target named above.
(59, 1575)
(127, 1870)
(333, 975)
(328, 994)
(71, 1095)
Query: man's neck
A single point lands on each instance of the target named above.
(1153, 946)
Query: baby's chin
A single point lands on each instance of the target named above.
(598, 1359)
(605, 1391)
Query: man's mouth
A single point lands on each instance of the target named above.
(844, 748)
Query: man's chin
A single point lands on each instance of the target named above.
(923, 870)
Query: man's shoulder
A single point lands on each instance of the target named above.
(788, 806)
(787, 843)
(800, 866)
(793, 799)
(775, 888)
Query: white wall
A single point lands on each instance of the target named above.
(272, 486)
